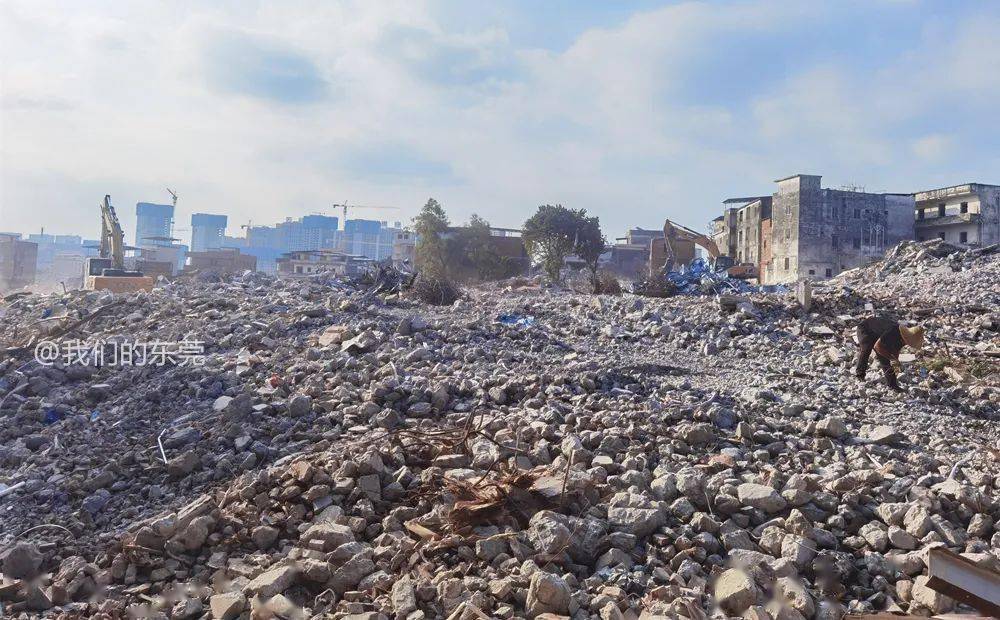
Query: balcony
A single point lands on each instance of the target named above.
(948, 220)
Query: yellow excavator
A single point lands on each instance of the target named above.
(107, 271)
(678, 249)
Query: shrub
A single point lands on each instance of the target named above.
(435, 290)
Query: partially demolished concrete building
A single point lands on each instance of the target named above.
(817, 233)
(805, 231)
(966, 214)
(748, 223)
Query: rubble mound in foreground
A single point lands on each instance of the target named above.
(338, 455)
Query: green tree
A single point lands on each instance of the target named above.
(430, 226)
(554, 232)
(480, 254)
(550, 236)
(589, 244)
(471, 253)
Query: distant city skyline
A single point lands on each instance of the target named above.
(633, 111)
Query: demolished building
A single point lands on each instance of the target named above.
(805, 231)
(818, 233)
(966, 214)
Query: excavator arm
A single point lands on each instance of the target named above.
(112, 237)
(674, 234)
(673, 231)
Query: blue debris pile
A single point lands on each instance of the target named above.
(517, 320)
(698, 278)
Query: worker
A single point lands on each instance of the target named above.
(887, 338)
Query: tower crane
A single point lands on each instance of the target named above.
(344, 206)
(173, 195)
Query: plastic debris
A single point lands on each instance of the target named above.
(698, 278)
(517, 320)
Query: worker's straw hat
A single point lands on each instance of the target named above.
(912, 336)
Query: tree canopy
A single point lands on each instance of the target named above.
(554, 232)
(430, 226)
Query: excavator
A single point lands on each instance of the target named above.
(107, 271)
(678, 248)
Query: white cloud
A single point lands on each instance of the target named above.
(277, 109)
(933, 147)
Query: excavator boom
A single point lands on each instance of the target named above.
(112, 237)
(673, 234)
(676, 231)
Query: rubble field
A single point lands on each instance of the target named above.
(527, 452)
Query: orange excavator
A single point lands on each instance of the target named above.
(678, 248)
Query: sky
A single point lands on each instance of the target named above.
(634, 111)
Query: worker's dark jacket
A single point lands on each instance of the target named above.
(882, 335)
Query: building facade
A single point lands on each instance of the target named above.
(748, 230)
(966, 214)
(311, 262)
(370, 238)
(404, 248)
(18, 262)
(630, 260)
(817, 233)
(61, 258)
(223, 260)
(722, 229)
(312, 232)
(208, 231)
(153, 222)
(167, 260)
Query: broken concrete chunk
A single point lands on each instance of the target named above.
(761, 497)
(227, 605)
(21, 561)
(272, 582)
(547, 593)
(735, 591)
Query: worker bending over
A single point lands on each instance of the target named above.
(887, 338)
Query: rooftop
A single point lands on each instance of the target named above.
(954, 187)
(745, 199)
(796, 175)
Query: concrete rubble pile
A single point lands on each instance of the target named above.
(917, 267)
(519, 454)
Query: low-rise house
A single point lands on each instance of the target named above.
(309, 262)
(223, 260)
